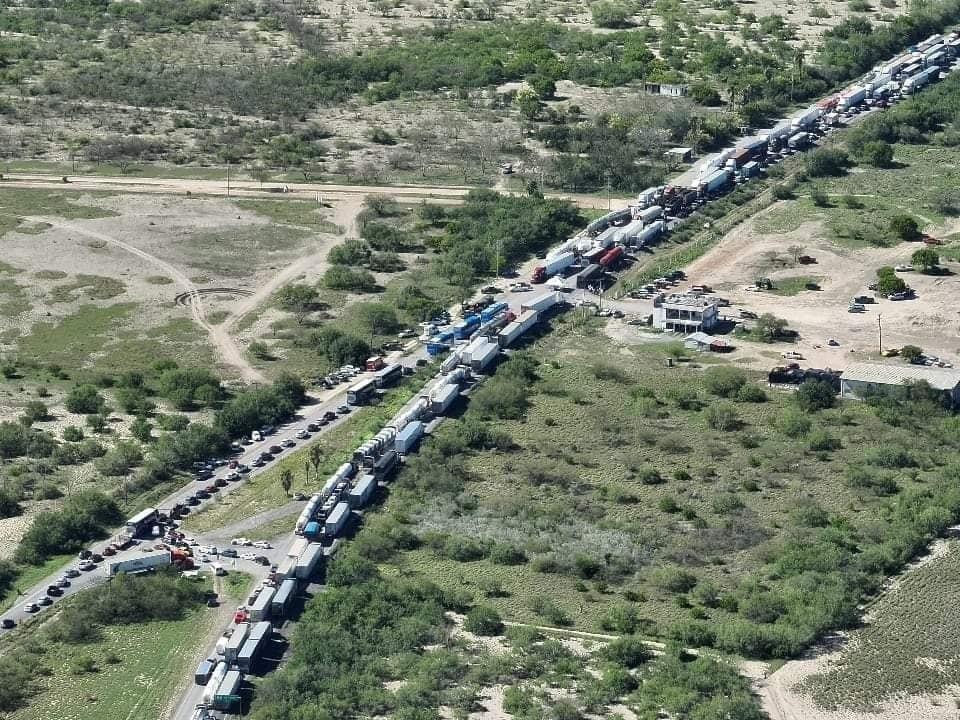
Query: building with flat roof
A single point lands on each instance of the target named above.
(685, 313)
(863, 378)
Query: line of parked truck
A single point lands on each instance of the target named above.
(603, 244)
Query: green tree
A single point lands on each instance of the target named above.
(85, 400)
(35, 411)
(543, 86)
(286, 481)
(769, 328)
(905, 227)
(724, 380)
(888, 282)
(142, 429)
(483, 620)
(610, 14)
(297, 298)
(878, 153)
(926, 258)
(813, 395)
(911, 353)
(528, 103)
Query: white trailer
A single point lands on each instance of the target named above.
(542, 303)
(409, 438)
(297, 547)
(260, 610)
(852, 97)
(649, 233)
(307, 562)
(443, 398)
(236, 641)
(213, 684)
(551, 267)
(648, 215)
(339, 515)
(361, 493)
(483, 356)
(517, 328)
(286, 569)
(607, 238)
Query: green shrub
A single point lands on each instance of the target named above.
(84, 400)
(483, 620)
(751, 393)
(724, 381)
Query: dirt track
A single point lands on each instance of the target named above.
(248, 188)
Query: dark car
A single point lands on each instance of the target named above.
(229, 552)
(312, 427)
(192, 500)
(108, 551)
(8, 623)
(262, 559)
(84, 554)
(220, 482)
(203, 494)
(97, 558)
(329, 415)
(213, 602)
(275, 449)
(45, 600)
(55, 591)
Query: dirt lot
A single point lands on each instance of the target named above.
(929, 321)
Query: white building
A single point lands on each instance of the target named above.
(684, 313)
(862, 378)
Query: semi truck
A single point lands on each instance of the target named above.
(465, 327)
(227, 695)
(714, 182)
(408, 438)
(362, 491)
(235, 642)
(852, 97)
(541, 303)
(286, 594)
(308, 561)
(611, 259)
(260, 610)
(650, 233)
(336, 519)
(525, 321)
(481, 357)
(798, 141)
(143, 564)
(589, 273)
(552, 267)
(443, 398)
(253, 648)
(213, 684)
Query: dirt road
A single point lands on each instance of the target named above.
(249, 188)
(219, 337)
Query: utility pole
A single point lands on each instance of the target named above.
(879, 335)
(228, 178)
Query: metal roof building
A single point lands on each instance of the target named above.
(861, 378)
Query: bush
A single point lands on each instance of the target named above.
(483, 620)
(827, 162)
(722, 416)
(877, 153)
(9, 507)
(610, 14)
(724, 381)
(35, 411)
(676, 580)
(120, 460)
(822, 441)
(629, 651)
(84, 516)
(751, 393)
(339, 277)
(72, 433)
(794, 424)
(814, 395)
(649, 476)
(85, 400)
(503, 554)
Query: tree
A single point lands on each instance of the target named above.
(528, 103)
(877, 153)
(813, 395)
(378, 318)
(286, 480)
(315, 455)
(141, 429)
(35, 411)
(905, 227)
(888, 282)
(298, 299)
(724, 380)
(827, 162)
(543, 86)
(911, 353)
(769, 328)
(926, 258)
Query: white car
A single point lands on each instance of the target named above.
(248, 556)
(903, 268)
(240, 541)
(302, 434)
(262, 544)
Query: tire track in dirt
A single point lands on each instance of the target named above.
(219, 337)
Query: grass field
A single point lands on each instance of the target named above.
(790, 286)
(618, 469)
(291, 212)
(892, 655)
(135, 667)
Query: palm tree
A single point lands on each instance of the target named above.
(286, 480)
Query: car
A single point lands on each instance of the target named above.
(288, 443)
(262, 544)
(212, 488)
(222, 482)
(109, 550)
(84, 554)
(791, 355)
(262, 560)
(405, 334)
(97, 558)
(299, 496)
(47, 600)
(302, 434)
(313, 427)
(240, 541)
(192, 500)
(257, 462)
(72, 573)
(213, 602)
(267, 430)
(343, 409)
(832, 343)
(329, 415)
(256, 436)
(54, 590)
(31, 608)
(63, 581)
(8, 623)
(491, 290)
(903, 268)
(202, 494)
(421, 362)
(275, 449)
(248, 556)
(229, 552)
(87, 566)
(243, 469)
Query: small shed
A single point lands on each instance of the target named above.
(702, 342)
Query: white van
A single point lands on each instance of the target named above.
(256, 436)
(218, 569)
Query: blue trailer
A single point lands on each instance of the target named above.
(312, 529)
(435, 349)
(463, 328)
(491, 312)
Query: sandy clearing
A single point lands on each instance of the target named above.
(220, 339)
